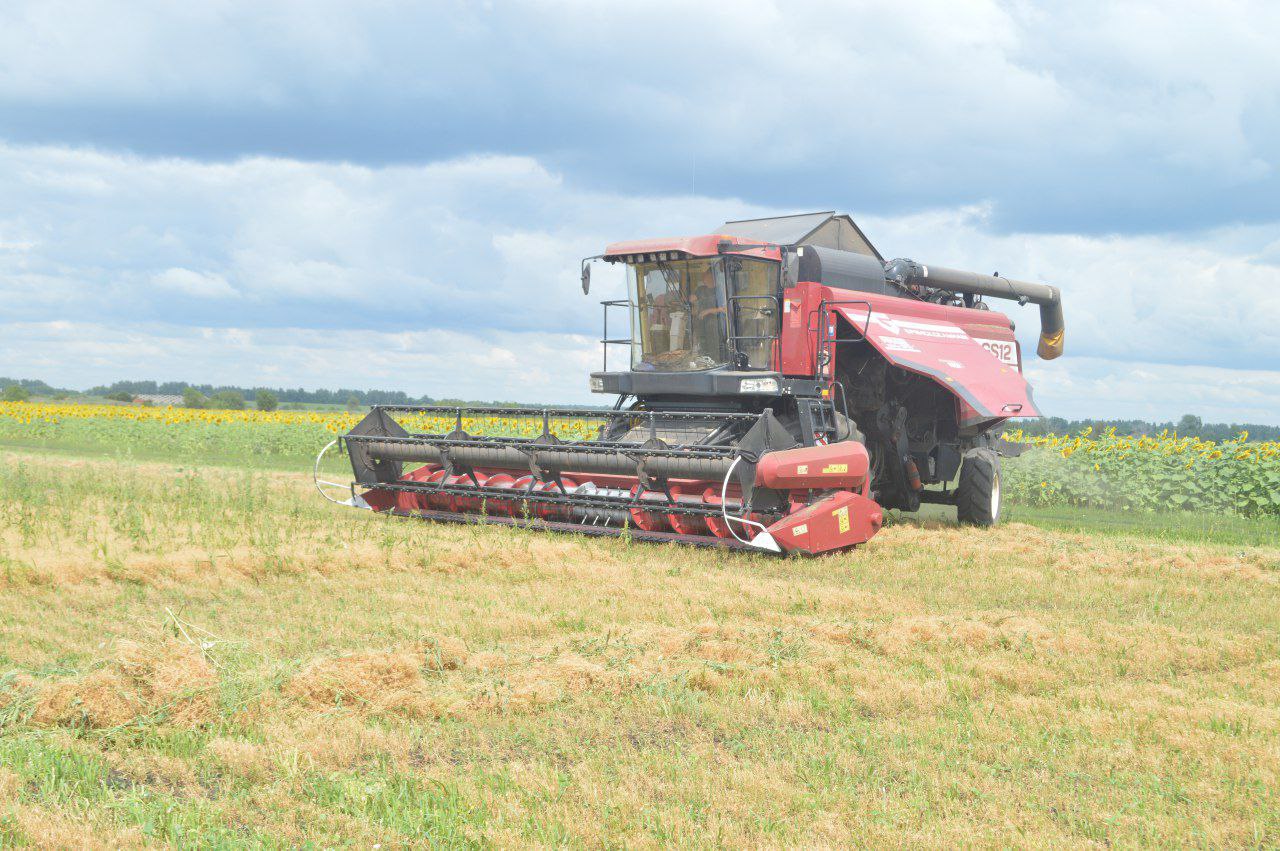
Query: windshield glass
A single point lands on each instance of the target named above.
(684, 313)
(679, 316)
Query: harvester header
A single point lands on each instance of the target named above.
(781, 386)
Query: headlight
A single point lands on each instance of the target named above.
(758, 385)
(597, 384)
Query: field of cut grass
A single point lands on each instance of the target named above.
(215, 657)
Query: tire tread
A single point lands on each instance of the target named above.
(978, 474)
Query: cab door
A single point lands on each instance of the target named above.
(753, 299)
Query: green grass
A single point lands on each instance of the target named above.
(226, 457)
(1170, 526)
(419, 685)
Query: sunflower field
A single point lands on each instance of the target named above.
(1164, 472)
(189, 434)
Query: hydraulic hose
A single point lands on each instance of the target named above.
(763, 539)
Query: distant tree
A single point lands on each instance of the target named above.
(16, 393)
(227, 400)
(353, 402)
(120, 396)
(193, 398)
(33, 386)
(1190, 425)
(267, 401)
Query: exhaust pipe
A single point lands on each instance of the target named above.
(1052, 328)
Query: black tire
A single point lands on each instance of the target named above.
(847, 429)
(978, 492)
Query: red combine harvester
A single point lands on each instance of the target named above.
(785, 385)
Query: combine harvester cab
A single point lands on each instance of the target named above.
(784, 386)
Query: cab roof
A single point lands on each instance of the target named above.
(681, 247)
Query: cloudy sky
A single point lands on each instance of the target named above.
(396, 195)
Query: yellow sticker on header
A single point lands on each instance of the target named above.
(842, 517)
(802, 529)
(802, 469)
(836, 468)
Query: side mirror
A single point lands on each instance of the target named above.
(586, 276)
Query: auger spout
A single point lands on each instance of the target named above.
(1049, 298)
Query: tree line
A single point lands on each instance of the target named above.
(342, 396)
(230, 397)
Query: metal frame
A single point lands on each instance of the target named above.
(578, 501)
(544, 455)
(534, 524)
(605, 343)
(826, 342)
(597, 447)
(462, 411)
(734, 337)
(731, 321)
(548, 442)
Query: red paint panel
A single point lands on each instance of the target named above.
(798, 341)
(832, 465)
(840, 520)
(696, 246)
(928, 342)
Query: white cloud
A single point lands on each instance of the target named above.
(200, 284)
(1110, 116)
(475, 242)
(530, 367)
(1095, 387)
(460, 278)
(538, 367)
(1209, 298)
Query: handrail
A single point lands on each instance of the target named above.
(826, 333)
(606, 342)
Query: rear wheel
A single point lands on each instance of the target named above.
(978, 493)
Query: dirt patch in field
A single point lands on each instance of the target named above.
(167, 683)
(334, 740)
(244, 759)
(543, 683)
(152, 771)
(1254, 567)
(1160, 650)
(1013, 673)
(487, 660)
(10, 784)
(379, 681)
(504, 554)
(882, 688)
(569, 674)
(370, 682)
(979, 631)
(45, 827)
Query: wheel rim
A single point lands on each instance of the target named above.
(995, 497)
